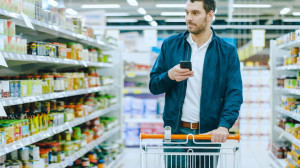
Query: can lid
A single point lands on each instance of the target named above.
(101, 161)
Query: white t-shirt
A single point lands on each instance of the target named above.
(191, 106)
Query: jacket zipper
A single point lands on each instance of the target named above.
(182, 91)
(202, 80)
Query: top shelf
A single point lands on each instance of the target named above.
(290, 44)
(57, 31)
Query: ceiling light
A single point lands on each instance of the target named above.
(172, 13)
(175, 20)
(252, 5)
(132, 2)
(71, 11)
(100, 6)
(153, 23)
(116, 14)
(240, 20)
(170, 5)
(142, 11)
(53, 3)
(148, 18)
(284, 11)
(121, 20)
(296, 13)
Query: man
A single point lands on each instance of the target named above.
(207, 99)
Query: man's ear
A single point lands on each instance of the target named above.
(211, 15)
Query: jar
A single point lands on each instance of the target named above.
(101, 163)
(76, 133)
(68, 136)
(57, 87)
(2, 138)
(69, 53)
(92, 157)
(60, 106)
(50, 81)
(85, 162)
(79, 111)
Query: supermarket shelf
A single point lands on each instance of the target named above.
(85, 150)
(54, 130)
(280, 162)
(136, 91)
(289, 91)
(132, 74)
(56, 31)
(118, 161)
(143, 120)
(255, 68)
(291, 114)
(287, 135)
(288, 67)
(29, 99)
(51, 60)
(290, 44)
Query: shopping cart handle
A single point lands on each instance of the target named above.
(184, 137)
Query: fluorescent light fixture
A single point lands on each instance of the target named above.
(291, 20)
(121, 20)
(172, 13)
(53, 3)
(252, 5)
(153, 23)
(142, 11)
(170, 5)
(132, 2)
(148, 18)
(240, 20)
(100, 6)
(284, 11)
(71, 11)
(296, 13)
(116, 14)
(175, 20)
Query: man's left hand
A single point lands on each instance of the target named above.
(219, 135)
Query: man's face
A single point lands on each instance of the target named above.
(196, 17)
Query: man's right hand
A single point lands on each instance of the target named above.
(178, 74)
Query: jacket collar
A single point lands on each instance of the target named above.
(186, 34)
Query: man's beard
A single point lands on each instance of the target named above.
(200, 28)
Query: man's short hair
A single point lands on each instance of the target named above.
(208, 5)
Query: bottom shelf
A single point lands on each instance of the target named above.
(85, 150)
(280, 162)
(118, 161)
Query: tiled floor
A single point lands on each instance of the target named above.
(253, 155)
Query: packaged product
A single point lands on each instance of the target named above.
(3, 27)
(11, 43)
(18, 45)
(5, 87)
(11, 28)
(2, 45)
(32, 48)
(23, 46)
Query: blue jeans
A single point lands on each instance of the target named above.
(185, 161)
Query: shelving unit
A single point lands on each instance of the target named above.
(277, 132)
(86, 149)
(117, 162)
(13, 57)
(30, 99)
(28, 64)
(55, 30)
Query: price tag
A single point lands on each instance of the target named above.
(27, 21)
(131, 74)
(2, 111)
(2, 60)
(137, 91)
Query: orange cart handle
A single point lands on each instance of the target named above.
(184, 137)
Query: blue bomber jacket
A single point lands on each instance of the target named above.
(221, 96)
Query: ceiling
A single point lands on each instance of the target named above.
(265, 16)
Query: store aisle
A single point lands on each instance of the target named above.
(254, 155)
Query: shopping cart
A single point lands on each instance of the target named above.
(186, 151)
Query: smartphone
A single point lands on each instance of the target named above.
(186, 65)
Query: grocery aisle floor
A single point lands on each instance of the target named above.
(254, 155)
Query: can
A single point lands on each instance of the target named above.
(12, 88)
(17, 88)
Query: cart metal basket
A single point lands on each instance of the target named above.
(188, 151)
